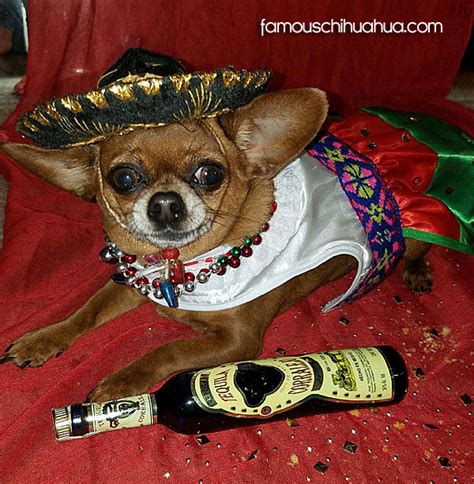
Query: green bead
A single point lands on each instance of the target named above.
(235, 251)
(223, 260)
(248, 241)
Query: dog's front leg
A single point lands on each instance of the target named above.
(37, 347)
(234, 339)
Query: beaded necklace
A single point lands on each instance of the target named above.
(166, 276)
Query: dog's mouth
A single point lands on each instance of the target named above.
(170, 237)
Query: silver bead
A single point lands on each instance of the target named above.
(203, 277)
(122, 267)
(118, 252)
(178, 291)
(215, 267)
(157, 294)
(189, 286)
(129, 280)
(143, 290)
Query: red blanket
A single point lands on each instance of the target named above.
(49, 262)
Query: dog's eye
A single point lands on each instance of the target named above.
(208, 176)
(125, 179)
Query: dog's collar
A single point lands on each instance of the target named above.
(166, 276)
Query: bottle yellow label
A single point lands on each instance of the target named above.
(266, 387)
(127, 412)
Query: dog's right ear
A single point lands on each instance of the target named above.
(70, 169)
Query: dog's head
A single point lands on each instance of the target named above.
(193, 185)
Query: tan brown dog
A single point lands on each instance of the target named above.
(248, 147)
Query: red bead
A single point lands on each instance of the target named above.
(131, 271)
(156, 283)
(247, 251)
(265, 227)
(222, 271)
(128, 259)
(177, 273)
(234, 262)
(274, 205)
(141, 281)
(257, 239)
(172, 253)
(189, 276)
(204, 269)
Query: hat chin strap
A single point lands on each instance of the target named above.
(112, 212)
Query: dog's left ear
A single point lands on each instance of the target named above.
(275, 127)
(70, 169)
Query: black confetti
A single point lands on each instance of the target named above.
(203, 439)
(280, 351)
(321, 467)
(419, 373)
(435, 332)
(344, 321)
(398, 299)
(449, 190)
(444, 461)
(253, 455)
(364, 132)
(350, 447)
(466, 399)
(431, 426)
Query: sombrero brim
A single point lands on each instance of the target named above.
(139, 101)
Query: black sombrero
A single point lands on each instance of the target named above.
(142, 89)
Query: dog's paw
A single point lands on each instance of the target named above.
(35, 348)
(125, 383)
(418, 277)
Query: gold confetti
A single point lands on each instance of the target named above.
(399, 425)
(291, 422)
(294, 461)
(355, 412)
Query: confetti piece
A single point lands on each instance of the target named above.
(444, 461)
(435, 332)
(466, 399)
(253, 455)
(203, 439)
(350, 447)
(321, 467)
(294, 461)
(419, 373)
(355, 412)
(280, 351)
(431, 426)
(291, 422)
(398, 299)
(445, 331)
(399, 425)
(344, 320)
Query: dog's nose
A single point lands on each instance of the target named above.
(166, 208)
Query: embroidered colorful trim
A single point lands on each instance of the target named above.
(373, 203)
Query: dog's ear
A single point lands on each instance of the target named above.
(71, 169)
(275, 127)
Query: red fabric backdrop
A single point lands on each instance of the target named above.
(49, 264)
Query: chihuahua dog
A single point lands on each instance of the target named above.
(195, 185)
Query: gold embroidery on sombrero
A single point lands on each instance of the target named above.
(97, 98)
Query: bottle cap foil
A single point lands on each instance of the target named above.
(62, 423)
